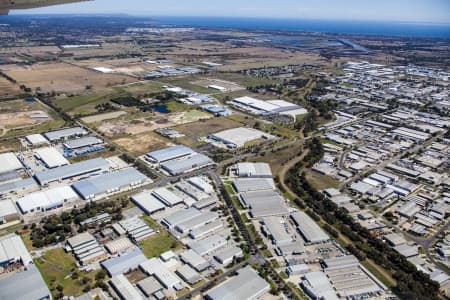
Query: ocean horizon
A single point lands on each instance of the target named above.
(386, 28)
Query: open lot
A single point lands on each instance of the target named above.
(319, 181)
(56, 267)
(103, 117)
(203, 128)
(63, 77)
(142, 143)
(144, 122)
(8, 89)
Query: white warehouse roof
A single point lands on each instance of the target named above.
(51, 157)
(308, 228)
(47, 199)
(9, 162)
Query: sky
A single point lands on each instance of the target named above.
(432, 11)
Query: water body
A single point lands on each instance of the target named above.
(161, 108)
(430, 30)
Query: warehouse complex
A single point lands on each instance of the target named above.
(260, 107)
(237, 137)
(178, 160)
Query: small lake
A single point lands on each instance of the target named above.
(161, 108)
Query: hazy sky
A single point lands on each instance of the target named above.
(399, 10)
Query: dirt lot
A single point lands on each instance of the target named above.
(60, 77)
(142, 143)
(103, 117)
(203, 128)
(150, 123)
(8, 89)
(21, 118)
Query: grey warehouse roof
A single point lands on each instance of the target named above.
(12, 287)
(308, 228)
(124, 263)
(72, 170)
(169, 153)
(82, 142)
(64, 133)
(16, 185)
(246, 285)
(102, 184)
(176, 167)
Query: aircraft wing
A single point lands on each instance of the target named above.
(6, 5)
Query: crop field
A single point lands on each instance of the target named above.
(64, 77)
(142, 143)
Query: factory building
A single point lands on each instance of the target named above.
(50, 157)
(119, 245)
(148, 203)
(310, 231)
(247, 285)
(13, 250)
(197, 222)
(26, 185)
(264, 203)
(124, 289)
(10, 163)
(188, 274)
(228, 255)
(159, 270)
(181, 216)
(208, 245)
(71, 171)
(136, 229)
(151, 287)
(85, 248)
(187, 164)
(64, 134)
(46, 200)
(103, 185)
(36, 140)
(260, 107)
(25, 285)
(194, 260)
(167, 154)
(238, 137)
(206, 229)
(8, 212)
(167, 197)
(317, 286)
(253, 170)
(123, 264)
(88, 141)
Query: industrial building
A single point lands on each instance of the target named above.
(187, 164)
(13, 250)
(63, 134)
(45, 200)
(192, 191)
(28, 185)
(181, 216)
(82, 142)
(201, 184)
(36, 140)
(247, 285)
(253, 170)
(10, 163)
(119, 245)
(208, 245)
(147, 202)
(96, 187)
(167, 197)
(136, 229)
(151, 287)
(242, 185)
(25, 285)
(237, 137)
(167, 154)
(71, 171)
(85, 248)
(50, 157)
(228, 255)
(188, 274)
(260, 107)
(123, 264)
(194, 260)
(263, 203)
(192, 224)
(159, 270)
(206, 229)
(8, 212)
(276, 228)
(310, 231)
(317, 286)
(124, 289)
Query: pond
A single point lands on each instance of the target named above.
(161, 108)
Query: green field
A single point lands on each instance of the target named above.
(159, 242)
(56, 267)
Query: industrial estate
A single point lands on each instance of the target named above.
(162, 162)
